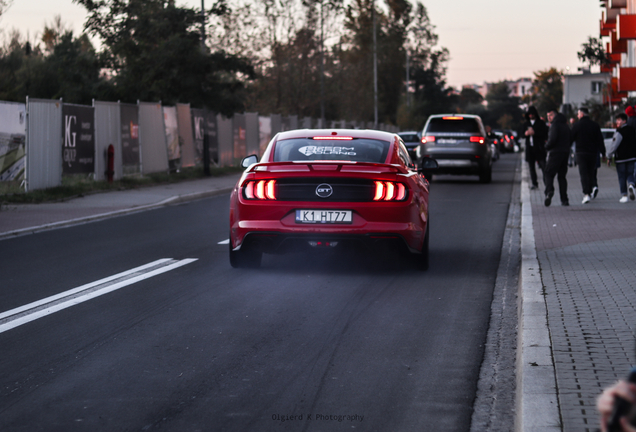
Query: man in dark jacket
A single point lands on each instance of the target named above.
(558, 147)
(623, 148)
(536, 133)
(589, 143)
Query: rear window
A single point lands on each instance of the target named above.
(409, 138)
(438, 124)
(308, 149)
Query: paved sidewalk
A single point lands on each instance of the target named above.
(19, 219)
(587, 259)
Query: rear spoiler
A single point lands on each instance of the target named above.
(321, 166)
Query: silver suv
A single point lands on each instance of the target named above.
(459, 144)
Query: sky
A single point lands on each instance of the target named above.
(488, 40)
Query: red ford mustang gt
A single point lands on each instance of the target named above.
(327, 188)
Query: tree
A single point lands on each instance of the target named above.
(468, 99)
(154, 50)
(592, 52)
(503, 110)
(427, 72)
(547, 90)
(4, 5)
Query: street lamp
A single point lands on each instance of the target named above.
(375, 71)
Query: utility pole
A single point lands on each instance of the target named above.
(203, 25)
(375, 72)
(322, 66)
(408, 96)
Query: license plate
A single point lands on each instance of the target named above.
(447, 141)
(324, 216)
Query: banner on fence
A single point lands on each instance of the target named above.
(12, 141)
(78, 135)
(204, 125)
(264, 132)
(172, 136)
(130, 138)
(239, 134)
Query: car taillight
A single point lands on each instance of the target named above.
(260, 190)
(507, 138)
(428, 139)
(477, 139)
(496, 141)
(389, 191)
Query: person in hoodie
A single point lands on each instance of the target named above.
(589, 144)
(558, 147)
(536, 133)
(623, 148)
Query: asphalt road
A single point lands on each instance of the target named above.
(306, 343)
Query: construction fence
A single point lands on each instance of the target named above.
(43, 140)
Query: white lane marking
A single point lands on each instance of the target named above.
(226, 241)
(32, 311)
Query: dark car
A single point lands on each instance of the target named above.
(331, 188)
(411, 141)
(508, 142)
(459, 144)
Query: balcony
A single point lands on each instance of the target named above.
(626, 27)
(607, 68)
(617, 46)
(626, 79)
(607, 25)
(616, 4)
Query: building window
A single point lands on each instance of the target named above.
(597, 86)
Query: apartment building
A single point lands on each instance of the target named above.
(618, 26)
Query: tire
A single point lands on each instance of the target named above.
(245, 257)
(421, 259)
(485, 175)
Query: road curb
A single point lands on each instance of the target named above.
(177, 199)
(537, 403)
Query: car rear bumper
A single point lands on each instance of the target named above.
(286, 242)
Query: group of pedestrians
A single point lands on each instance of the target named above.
(548, 147)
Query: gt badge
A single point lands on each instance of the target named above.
(324, 190)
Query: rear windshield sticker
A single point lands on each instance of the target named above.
(321, 150)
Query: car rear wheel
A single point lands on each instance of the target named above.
(485, 175)
(421, 259)
(245, 257)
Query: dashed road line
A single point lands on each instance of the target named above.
(24, 314)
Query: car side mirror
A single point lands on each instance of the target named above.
(428, 164)
(249, 160)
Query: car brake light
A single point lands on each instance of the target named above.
(496, 141)
(260, 190)
(477, 139)
(333, 138)
(379, 191)
(453, 118)
(428, 139)
(507, 138)
(389, 191)
(269, 190)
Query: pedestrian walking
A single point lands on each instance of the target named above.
(586, 133)
(536, 133)
(558, 147)
(623, 148)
